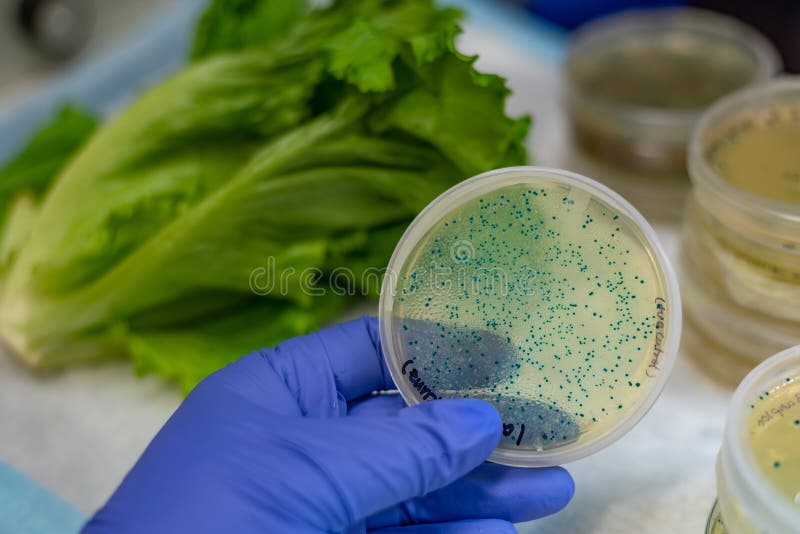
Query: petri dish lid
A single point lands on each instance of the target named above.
(759, 450)
(542, 292)
(652, 72)
(765, 107)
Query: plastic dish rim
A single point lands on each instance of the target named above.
(517, 175)
(743, 477)
(768, 61)
(700, 171)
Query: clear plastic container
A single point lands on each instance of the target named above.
(638, 81)
(542, 292)
(758, 466)
(714, 524)
(740, 251)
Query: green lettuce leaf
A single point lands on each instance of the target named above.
(285, 157)
(45, 154)
(189, 353)
(25, 177)
(230, 25)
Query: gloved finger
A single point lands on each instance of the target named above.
(313, 375)
(362, 465)
(469, 526)
(350, 353)
(381, 404)
(491, 491)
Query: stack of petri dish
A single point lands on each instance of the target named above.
(740, 251)
(543, 293)
(636, 84)
(758, 466)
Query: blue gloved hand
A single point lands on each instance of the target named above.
(291, 439)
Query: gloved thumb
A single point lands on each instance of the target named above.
(366, 464)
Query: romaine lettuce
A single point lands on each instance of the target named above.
(310, 143)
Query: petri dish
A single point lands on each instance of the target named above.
(637, 81)
(758, 466)
(539, 291)
(714, 523)
(740, 244)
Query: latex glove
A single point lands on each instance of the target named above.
(290, 439)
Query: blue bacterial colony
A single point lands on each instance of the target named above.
(541, 299)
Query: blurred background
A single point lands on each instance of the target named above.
(75, 434)
(777, 19)
(39, 37)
